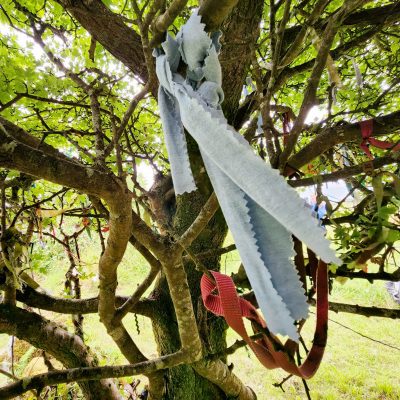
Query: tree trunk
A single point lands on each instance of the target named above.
(183, 382)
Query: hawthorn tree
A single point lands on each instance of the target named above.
(78, 117)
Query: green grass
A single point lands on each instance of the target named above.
(354, 367)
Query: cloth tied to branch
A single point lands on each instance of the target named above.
(261, 210)
(367, 128)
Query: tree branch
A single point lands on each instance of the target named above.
(362, 310)
(368, 17)
(240, 31)
(123, 43)
(130, 304)
(212, 253)
(17, 146)
(313, 82)
(182, 301)
(120, 221)
(163, 21)
(219, 373)
(295, 47)
(213, 12)
(44, 301)
(52, 101)
(45, 162)
(92, 374)
(369, 276)
(125, 119)
(341, 133)
(343, 173)
(64, 346)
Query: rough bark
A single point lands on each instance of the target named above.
(368, 17)
(111, 32)
(240, 33)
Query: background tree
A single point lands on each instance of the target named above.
(79, 117)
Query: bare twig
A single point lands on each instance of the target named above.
(319, 65)
(134, 299)
(343, 173)
(125, 119)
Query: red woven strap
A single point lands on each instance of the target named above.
(367, 139)
(220, 297)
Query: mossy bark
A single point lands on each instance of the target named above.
(183, 382)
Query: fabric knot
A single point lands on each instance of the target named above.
(367, 139)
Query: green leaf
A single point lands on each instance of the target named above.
(377, 185)
(89, 233)
(393, 236)
(386, 211)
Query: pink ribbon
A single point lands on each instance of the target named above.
(367, 139)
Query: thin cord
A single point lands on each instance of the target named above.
(362, 335)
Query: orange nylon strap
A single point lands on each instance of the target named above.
(220, 297)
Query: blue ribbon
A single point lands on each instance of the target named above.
(261, 210)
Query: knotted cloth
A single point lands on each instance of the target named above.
(367, 128)
(261, 210)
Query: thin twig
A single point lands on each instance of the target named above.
(125, 119)
(134, 299)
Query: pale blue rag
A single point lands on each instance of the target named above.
(261, 209)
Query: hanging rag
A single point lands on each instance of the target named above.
(367, 139)
(261, 210)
